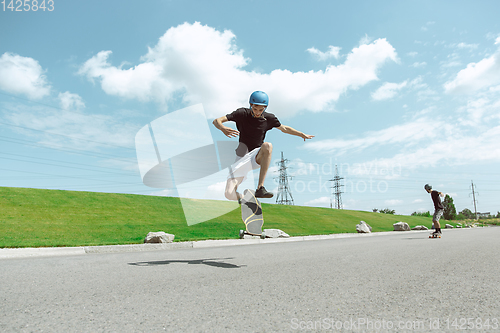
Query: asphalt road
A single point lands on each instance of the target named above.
(398, 282)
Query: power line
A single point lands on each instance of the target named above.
(86, 178)
(103, 117)
(66, 136)
(337, 186)
(70, 166)
(474, 199)
(284, 196)
(63, 149)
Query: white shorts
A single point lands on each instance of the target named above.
(243, 165)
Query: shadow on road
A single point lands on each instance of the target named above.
(414, 238)
(209, 262)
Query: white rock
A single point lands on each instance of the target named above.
(449, 226)
(275, 233)
(159, 237)
(401, 226)
(363, 228)
(420, 227)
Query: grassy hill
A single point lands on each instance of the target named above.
(37, 218)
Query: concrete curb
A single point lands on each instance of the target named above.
(74, 251)
(41, 252)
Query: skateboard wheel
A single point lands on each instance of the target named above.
(242, 233)
(263, 236)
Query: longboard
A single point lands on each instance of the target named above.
(251, 214)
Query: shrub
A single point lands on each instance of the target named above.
(388, 211)
(425, 214)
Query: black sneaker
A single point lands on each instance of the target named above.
(262, 193)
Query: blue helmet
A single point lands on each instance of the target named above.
(427, 187)
(259, 98)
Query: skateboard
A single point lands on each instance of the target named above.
(435, 235)
(251, 214)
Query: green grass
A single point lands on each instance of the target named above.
(480, 222)
(490, 221)
(40, 218)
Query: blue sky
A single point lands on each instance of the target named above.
(397, 93)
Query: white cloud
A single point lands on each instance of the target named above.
(475, 111)
(388, 90)
(494, 89)
(69, 101)
(67, 125)
(427, 95)
(70, 127)
(333, 52)
(365, 40)
(427, 25)
(429, 140)
(450, 64)
(164, 193)
(302, 168)
(419, 64)
(319, 202)
(205, 64)
(214, 191)
(481, 111)
(466, 46)
(453, 60)
(452, 149)
(393, 202)
(22, 76)
(141, 82)
(476, 76)
(408, 134)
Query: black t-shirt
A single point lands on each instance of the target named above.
(252, 130)
(437, 200)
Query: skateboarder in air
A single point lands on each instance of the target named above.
(252, 152)
(438, 208)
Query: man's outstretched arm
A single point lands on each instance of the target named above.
(229, 132)
(293, 131)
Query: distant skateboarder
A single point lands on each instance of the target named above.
(252, 124)
(438, 209)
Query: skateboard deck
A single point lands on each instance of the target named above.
(435, 235)
(251, 214)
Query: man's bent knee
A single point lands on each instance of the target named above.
(231, 188)
(266, 147)
(231, 195)
(265, 151)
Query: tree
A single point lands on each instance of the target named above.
(467, 213)
(450, 213)
(387, 211)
